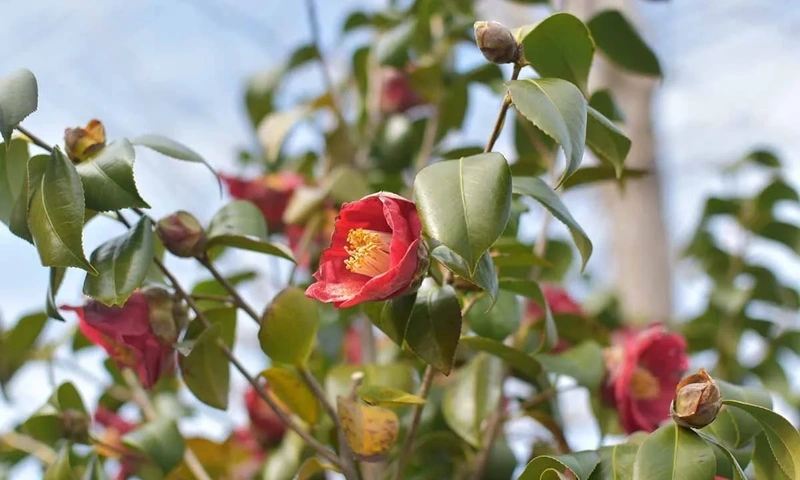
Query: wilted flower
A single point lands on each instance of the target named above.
(270, 193)
(496, 42)
(376, 252)
(265, 424)
(644, 367)
(397, 93)
(697, 400)
(182, 234)
(83, 143)
(128, 337)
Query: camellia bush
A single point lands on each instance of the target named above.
(411, 301)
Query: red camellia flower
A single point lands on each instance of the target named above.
(376, 252)
(270, 193)
(397, 93)
(125, 333)
(265, 424)
(644, 368)
(560, 302)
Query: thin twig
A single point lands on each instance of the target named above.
(402, 460)
(33, 138)
(237, 299)
(492, 430)
(314, 25)
(469, 304)
(501, 116)
(29, 445)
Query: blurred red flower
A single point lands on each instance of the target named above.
(560, 302)
(270, 193)
(265, 424)
(116, 428)
(376, 252)
(644, 368)
(126, 335)
(319, 239)
(397, 93)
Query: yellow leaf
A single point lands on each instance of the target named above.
(387, 397)
(313, 466)
(370, 431)
(293, 392)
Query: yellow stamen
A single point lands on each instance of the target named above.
(644, 385)
(369, 252)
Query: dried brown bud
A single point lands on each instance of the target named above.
(161, 307)
(182, 234)
(496, 42)
(84, 143)
(74, 425)
(697, 401)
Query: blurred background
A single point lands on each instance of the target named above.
(180, 69)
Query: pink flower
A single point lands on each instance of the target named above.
(397, 93)
(265, 424)
(644, 368)
(112, 446)
(559, 301)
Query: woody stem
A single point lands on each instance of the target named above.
(501, 116)
(36, 140)
(237, 299)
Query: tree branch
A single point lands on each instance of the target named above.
(427, 380)
(33, 138)
(501, 116)
(237, 299)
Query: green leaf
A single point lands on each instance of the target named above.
(54, 283)
(108, 180)
(18, 343)
(525, 364)
(312, 467)
(224, 316)
(289, 327)
(275, 127)
(465, 204)
(387, 397)
(495, 320)
(558, 108)
(472, 396)
(57, 214)
(61, 468)
(435, 325)
(293, 392)
(620, 42)
(560, 46)
(171, 148)
(673, 453)
(391, 48)
(764, 464)
(537, 189)
(603, 101)
(283, 462)
(302, 55)
(213, 287)
(607, 141)
(781, 437)
(583, 362)
(240, 224)
(67, 397)
(531, 289)
(729, 468)
(485, 275)
(396, 376)
(161, 441)
(392, 316)
(205, 370)
(13, 176)
(590, 175)
(734, 428)
(346, 184)
(616, 462)
(581, 464)
(122, 264)
(19, 97)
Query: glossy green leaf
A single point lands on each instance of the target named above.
(122, 264)
(558, 108)
(603, 101)
(54, 283)
(733, 428)
(224, 316)
(435, 325)
(302, 55)
(395, 376)
(620, 42)
(472, 396)
(18, 221)
(161, 441)
(537, 189)
(607, 141)
(108, 181)
(781, 437)
(387, 397)
(289, 327)
(525, 364)
(727, 463)
(560, 46)
(61, 468)
(465, 204)
(67, 397)
(583, 362)
(18, 343)
(392, 316)
(13, 176)
(19, 97)
(616, 462)
(495, 320)
(171, 148)
(205, 370)
(764, 464)
(674, 453)
(57, 214)
(591, 175)
(240, 224)
(293, 392)
(485, 275)
(532, 290)
(580, 464)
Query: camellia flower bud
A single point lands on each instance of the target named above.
(697, 401)
(496, 42)
(83, 143)
(74, 425)
(182, 234)
(161, 307)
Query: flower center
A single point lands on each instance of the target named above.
(644, 385)
(369, 252)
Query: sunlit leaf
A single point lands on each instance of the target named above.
(289, 327)
(19, 97)
(473, 396)
(293, 392)
(369, 430)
